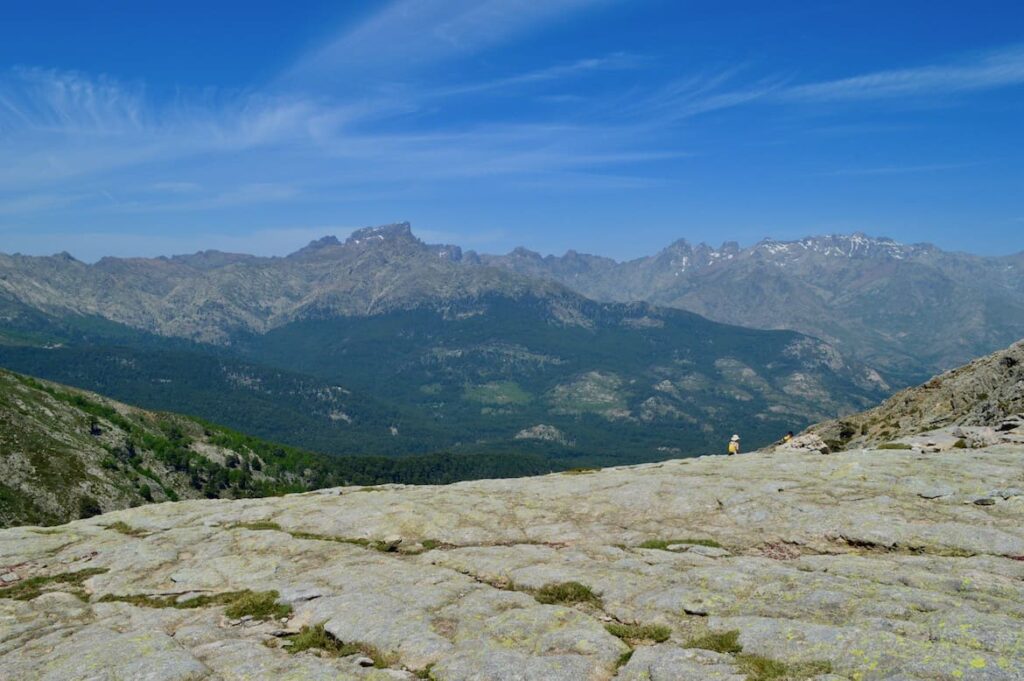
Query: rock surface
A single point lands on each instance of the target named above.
(861, 565)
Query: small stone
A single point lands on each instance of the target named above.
(936, 492)
(9, 577)
(708, 551)
(985, 501)
(363, 661)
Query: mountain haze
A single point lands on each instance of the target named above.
(907, 310)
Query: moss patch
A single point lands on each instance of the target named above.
(125, 528)
(718, 641)
(566, 593)
(258, 525)
(71, 582)
(260, 605)
(376, 545)
(663, 544)
(639, 633)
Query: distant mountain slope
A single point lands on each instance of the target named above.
(909, 311)
(436, 350)
(212, 296)
(67, 453)
(625, 382)
(985, 392)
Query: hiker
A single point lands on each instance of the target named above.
(734, 445)
(787, 437)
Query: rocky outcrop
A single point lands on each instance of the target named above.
(867, 564)
(987, 394)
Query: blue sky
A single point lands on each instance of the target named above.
(608, 126)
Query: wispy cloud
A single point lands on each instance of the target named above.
(901, 169)
(616, 61)
(1001, 68)
(409, 32)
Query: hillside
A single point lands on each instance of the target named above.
(67, 454)
(863, 565)
(988, 392)
(910, 311)
(386, 345)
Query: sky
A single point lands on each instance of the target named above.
(606, 126)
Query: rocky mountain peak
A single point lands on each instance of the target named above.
(850, 246)
(399, 231)
(316, 247)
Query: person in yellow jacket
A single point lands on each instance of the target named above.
(734, 445)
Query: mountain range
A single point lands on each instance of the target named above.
(909, 311)
(383, 344)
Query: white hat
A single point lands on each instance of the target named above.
(735, 438)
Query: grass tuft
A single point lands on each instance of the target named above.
(318, 638)
(663, 544)
(758, 668)
(633, 633)
(566, 593)
(718, 641)
(261, 605)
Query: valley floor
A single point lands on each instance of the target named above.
(862, 565)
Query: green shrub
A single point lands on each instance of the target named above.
(88, 507)
(718, 641)
(960, 444)
(566, 593)
(894, 445)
